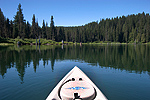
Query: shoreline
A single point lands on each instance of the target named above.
(17, 41)
(71, 43)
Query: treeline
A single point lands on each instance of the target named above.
(20, 28)
(131, 28)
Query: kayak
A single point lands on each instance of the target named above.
(76, 86)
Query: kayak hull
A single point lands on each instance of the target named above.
(76, 85)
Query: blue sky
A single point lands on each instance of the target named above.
(73, 12)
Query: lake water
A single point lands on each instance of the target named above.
(121, 72)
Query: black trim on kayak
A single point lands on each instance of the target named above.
(62, 85)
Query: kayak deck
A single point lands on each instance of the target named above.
(76, 85)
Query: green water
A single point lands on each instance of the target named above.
(121, 72)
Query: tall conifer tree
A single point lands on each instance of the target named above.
(2, 20)
(28, 27)
(43, 30)
(19, 22)
(33, 27)
(52, 29)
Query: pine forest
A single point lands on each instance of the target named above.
(123, 29)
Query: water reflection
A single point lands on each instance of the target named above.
(124, 57)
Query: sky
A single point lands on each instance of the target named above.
(73, 12)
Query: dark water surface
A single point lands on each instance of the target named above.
(122, 72)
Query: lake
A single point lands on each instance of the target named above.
(121, 72)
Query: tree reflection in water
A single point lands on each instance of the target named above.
(132, 58)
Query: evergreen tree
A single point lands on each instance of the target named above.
(117, 33)
(83, 35)
(2, 20)
(143, 38)
(107, 30)
(47, 30)
(66, 35)
(44, 30)
(19, 21)
(33, 27)
(37, 31)
(60, 34)
(11, 29)
(28, 27)
(125, 30)
(147, 28)
(76, 35)
(114, 34)
(132, 35)
(24, 31)
(52, 29)
(6, 28)
(79, 35)
(15, 30)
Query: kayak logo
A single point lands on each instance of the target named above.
(77, 88)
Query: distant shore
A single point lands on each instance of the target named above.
(50, 42)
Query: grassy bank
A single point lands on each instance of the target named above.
(9, 41)
(4, 41)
